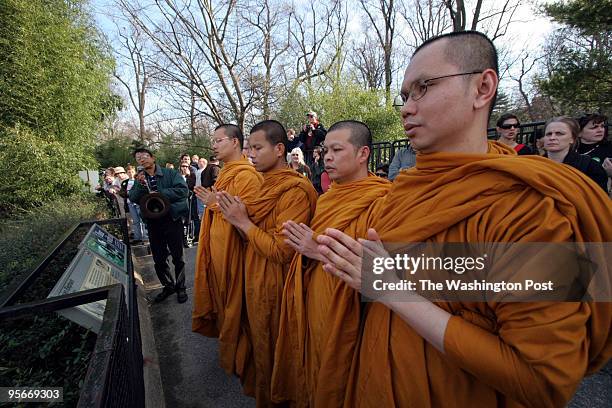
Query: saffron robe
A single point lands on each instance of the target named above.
(285, 195)
(320, 314)
(496, 354)
(219, 275)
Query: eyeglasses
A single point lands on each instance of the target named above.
(419, 89)
(510, 126)
(381, 174)
(185, 167)
(217, 141)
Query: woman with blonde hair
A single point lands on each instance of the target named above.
(297, 163)
(560, 136)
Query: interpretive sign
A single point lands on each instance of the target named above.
(101, 261)
(107, 246)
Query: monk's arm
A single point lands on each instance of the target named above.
(537, 357)
(293, 205)
(246, 186)
(427, 319)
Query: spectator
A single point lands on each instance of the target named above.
(508, 128)
(169, 165)
(593, 140)
(139, 230)
(105, 189)
(120, 177)
(208, 178)
(202, 163)
(559, 140)
(318, 168)
(382, 170)
(245, 149)
(185, 159)
(539, 134)
(165, 233)
(312, 134)
(188, 176)
(293, 142)
(190, 179)
(109, 178)
(210, 173)
(197, 206)
(194, 160)
(403, 159)
(297, 163)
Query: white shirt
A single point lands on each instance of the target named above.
(199, 177)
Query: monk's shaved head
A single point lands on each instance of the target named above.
(469, 51)
(275, 132)
(359, 131)
(232, 131)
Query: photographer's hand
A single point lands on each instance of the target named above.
(141, 178)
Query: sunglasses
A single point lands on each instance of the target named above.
(510, 126)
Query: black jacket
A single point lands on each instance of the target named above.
(209, 175)
(589, 167)
(169, 183)
(597, 151)
(312, 137)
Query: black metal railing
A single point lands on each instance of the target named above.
(115, 372)
(383, 152)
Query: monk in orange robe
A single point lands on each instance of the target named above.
(284, 195)
(320, 313)
(219, 275)
(465, 189)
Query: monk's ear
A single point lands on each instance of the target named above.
(486, 86)
(279, 149)
(363, 154)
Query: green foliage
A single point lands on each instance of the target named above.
(27, 236)
(115, 152)
(580, 57)
(590, 16)
(46, 350)
(118, 151)
(503, 104)
(34, 169)
(54, 82)
(171, 148)
(346, 100)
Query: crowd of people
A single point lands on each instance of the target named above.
(118, 181)
(285, 224)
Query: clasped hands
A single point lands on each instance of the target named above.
(233, 209)
(341, 255)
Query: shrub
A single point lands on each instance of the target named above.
(27, 236)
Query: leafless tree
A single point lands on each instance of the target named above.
(138, 81)
(527, 63)
(310, 32)
(494, 19)
(425, 19)
(368, 60)
(272, 24)
(382, 15)
(205, 51)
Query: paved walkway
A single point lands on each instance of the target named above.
(189, 365)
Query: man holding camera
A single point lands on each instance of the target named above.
(312, 135)
(165, 231)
